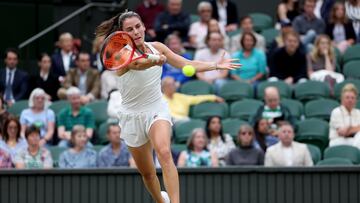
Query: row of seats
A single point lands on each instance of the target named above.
(236, 90)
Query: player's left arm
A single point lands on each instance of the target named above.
(179, 61)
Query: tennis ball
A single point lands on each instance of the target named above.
(188, 70)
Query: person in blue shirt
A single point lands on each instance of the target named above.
(115, 154)
(253, 61)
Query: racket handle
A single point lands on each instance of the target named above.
(153, 57)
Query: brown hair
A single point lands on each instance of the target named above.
(242, 39)
(353, 2)
(207, 38)
(332, 16)
(292, 33)
(31, 129)
(115, 23)
(6, 125)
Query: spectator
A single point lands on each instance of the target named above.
(339, 28)
(252, 59)
(323, 9)
(13, 82)
(214, 26)
(45, 79)
(345, 119)
(322, 62)
(246, 26)
(197, 154)
(178, 103)
(287, 11)
(39, 115)
(287, 152)
(78, 156)
(289, 63)
(225, 11)
(174, 43)
(352, 8)
(307, 24)
(64, 59)
(84, 77)
(34, 156)
(198, 29)
(95, 60)
(148, 10)
(5, 159)
(4, 114)
(213, 52)
(246, 153)
(273, 111)
(279, 41)
(73, 115)
(116, 153)
(264, 134)
(12, 141)
(171, 21)
(219, 142)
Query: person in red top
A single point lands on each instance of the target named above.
(148, 11)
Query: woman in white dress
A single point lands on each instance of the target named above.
(144, 116)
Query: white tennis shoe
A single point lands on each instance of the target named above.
(165, 196)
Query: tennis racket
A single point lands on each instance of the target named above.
(119, 50)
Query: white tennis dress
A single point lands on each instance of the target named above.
(142, 103)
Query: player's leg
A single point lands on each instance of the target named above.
(160, 137)
(144, 162)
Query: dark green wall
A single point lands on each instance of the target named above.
(208, 185)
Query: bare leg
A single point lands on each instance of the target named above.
(160, 137)
(144, 162)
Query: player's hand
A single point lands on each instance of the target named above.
(161, 61)
(227, 64)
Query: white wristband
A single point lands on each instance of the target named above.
(153, 57)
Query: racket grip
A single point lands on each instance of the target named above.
(153, 57)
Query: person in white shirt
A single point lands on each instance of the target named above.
(345, 119)
(198, 30)
(287, 152)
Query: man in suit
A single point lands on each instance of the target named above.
(84, 77)
(226, 13)
(64, 59)
(287, 152)
(13, 82)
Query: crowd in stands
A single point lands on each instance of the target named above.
(53, 118)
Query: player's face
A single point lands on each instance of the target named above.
(135, 28)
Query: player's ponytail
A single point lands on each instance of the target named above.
(115, 23)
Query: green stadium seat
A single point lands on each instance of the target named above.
(261, 21)
(101, 133)
(235, 90)
(231, 126)
(57, 106)
(352, 53)
(55, 154)
(184, 129)
(320, 108)
(315, 153)
(207, 109)
(196, 87)
(244, 109)
(313, 131)
(97, 148)
(351, 69)
(233, 33)
(270, 35)
(335, 162)
(338, 56)
(338, 87)
(358, 104)
(178, 147)
(18, 107)
(285, 90)
(99, 109)
(296, 107)
(343, 151)
(311, 90)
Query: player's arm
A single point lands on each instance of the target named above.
(179, 61)
(145, 63)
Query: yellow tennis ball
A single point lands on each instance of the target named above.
(188, 70)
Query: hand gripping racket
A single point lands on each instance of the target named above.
(119, 50)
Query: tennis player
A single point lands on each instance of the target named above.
(144, 116)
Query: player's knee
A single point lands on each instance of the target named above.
(164, 154)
